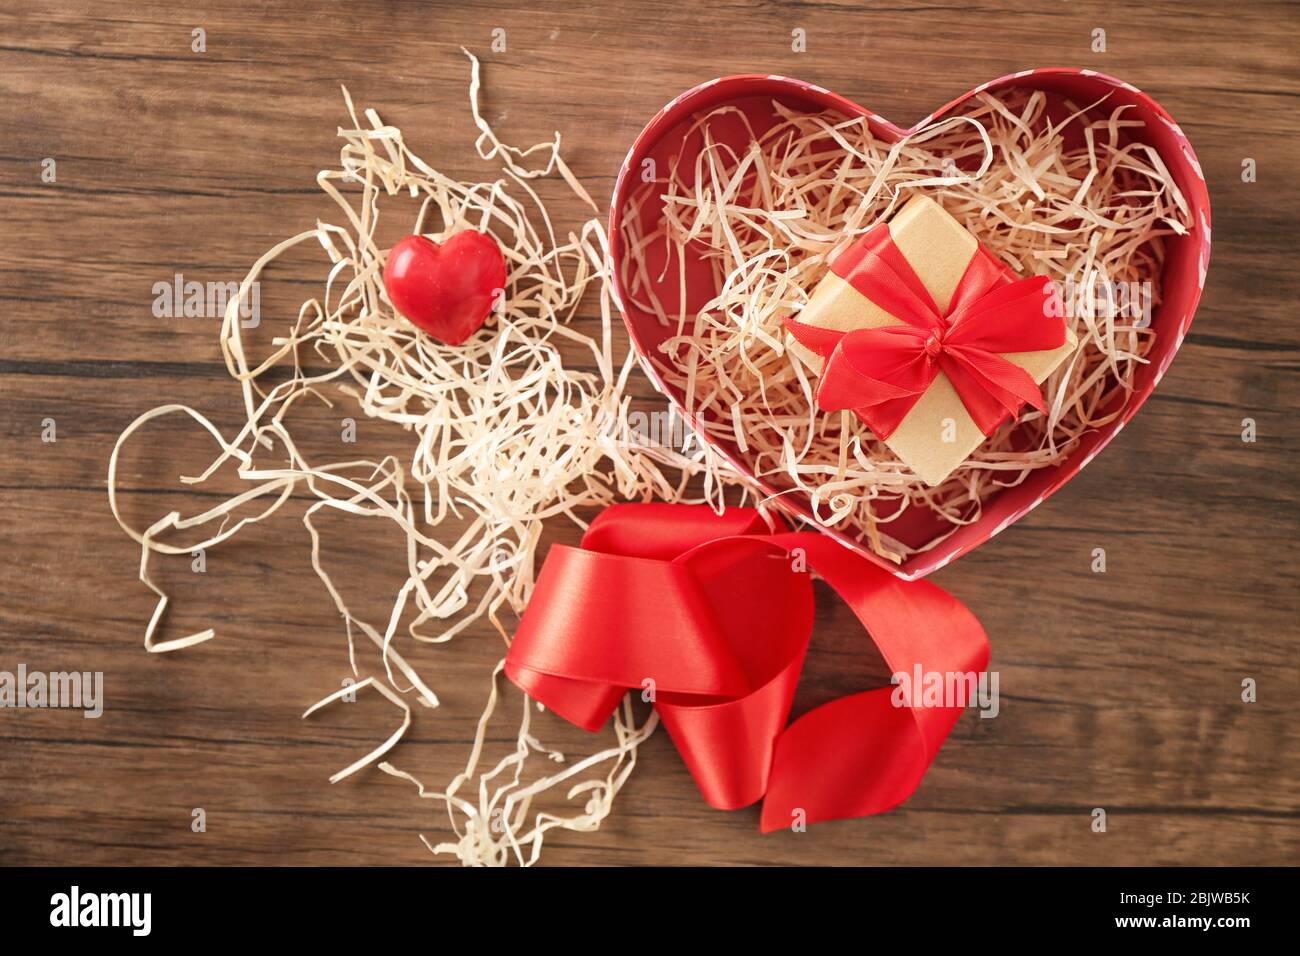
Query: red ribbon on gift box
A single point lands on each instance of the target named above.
(881, 372)
(717, 611)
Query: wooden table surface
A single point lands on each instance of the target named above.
(1119, 690)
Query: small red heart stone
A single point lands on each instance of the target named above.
(447, 290)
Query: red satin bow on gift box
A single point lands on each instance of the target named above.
(881, 372)
(717, 612)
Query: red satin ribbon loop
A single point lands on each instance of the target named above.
(713, 615)
(880, 373)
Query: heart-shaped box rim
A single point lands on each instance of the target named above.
(713, 92)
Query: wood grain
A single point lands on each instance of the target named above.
(1119, 690)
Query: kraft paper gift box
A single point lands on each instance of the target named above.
(939, 250)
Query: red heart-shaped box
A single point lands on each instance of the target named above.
(1184, 271)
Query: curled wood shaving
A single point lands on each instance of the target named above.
(769, 218)
(505, 434)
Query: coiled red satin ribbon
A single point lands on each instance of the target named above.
(880, 373)
(717, 612)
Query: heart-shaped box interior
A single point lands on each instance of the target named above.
(664, 142)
